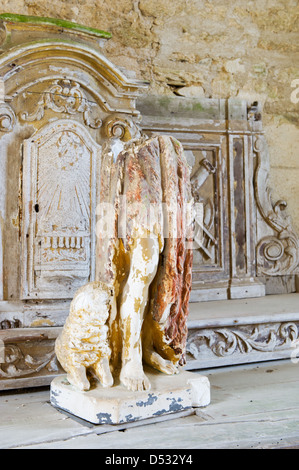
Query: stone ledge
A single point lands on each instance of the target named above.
(268, 309)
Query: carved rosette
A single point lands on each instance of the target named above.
(228, 341)
(7, 118)
(277, 253)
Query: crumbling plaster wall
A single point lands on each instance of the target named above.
(211, 48)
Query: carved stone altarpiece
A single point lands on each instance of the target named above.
(61, 102)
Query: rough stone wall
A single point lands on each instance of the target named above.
(211, 48)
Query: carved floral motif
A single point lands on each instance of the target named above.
(227, 341)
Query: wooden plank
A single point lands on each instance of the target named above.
(253, 406)
(35, 314)
(190, 434)
(28, 418)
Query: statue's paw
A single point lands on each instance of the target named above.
(77, 377)
(168, 367)
(103, 373)
(133, 378)
(163, 365)
(107, 380)
(136, 384)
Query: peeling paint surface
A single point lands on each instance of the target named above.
(151, 399)
(170, 394)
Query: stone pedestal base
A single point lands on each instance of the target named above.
(116, 405)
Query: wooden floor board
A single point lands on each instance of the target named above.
(252, 406)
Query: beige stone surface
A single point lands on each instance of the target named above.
(283, 140)
(219, 48)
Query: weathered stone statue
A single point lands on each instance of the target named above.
(137, 309)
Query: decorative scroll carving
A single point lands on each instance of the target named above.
(123, 128)
(19, 363)
(277, 253)
(64, 96)
(7, 118)
(227, 341)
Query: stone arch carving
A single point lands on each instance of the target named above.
(52, 60)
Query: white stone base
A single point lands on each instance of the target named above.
(116, 405)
